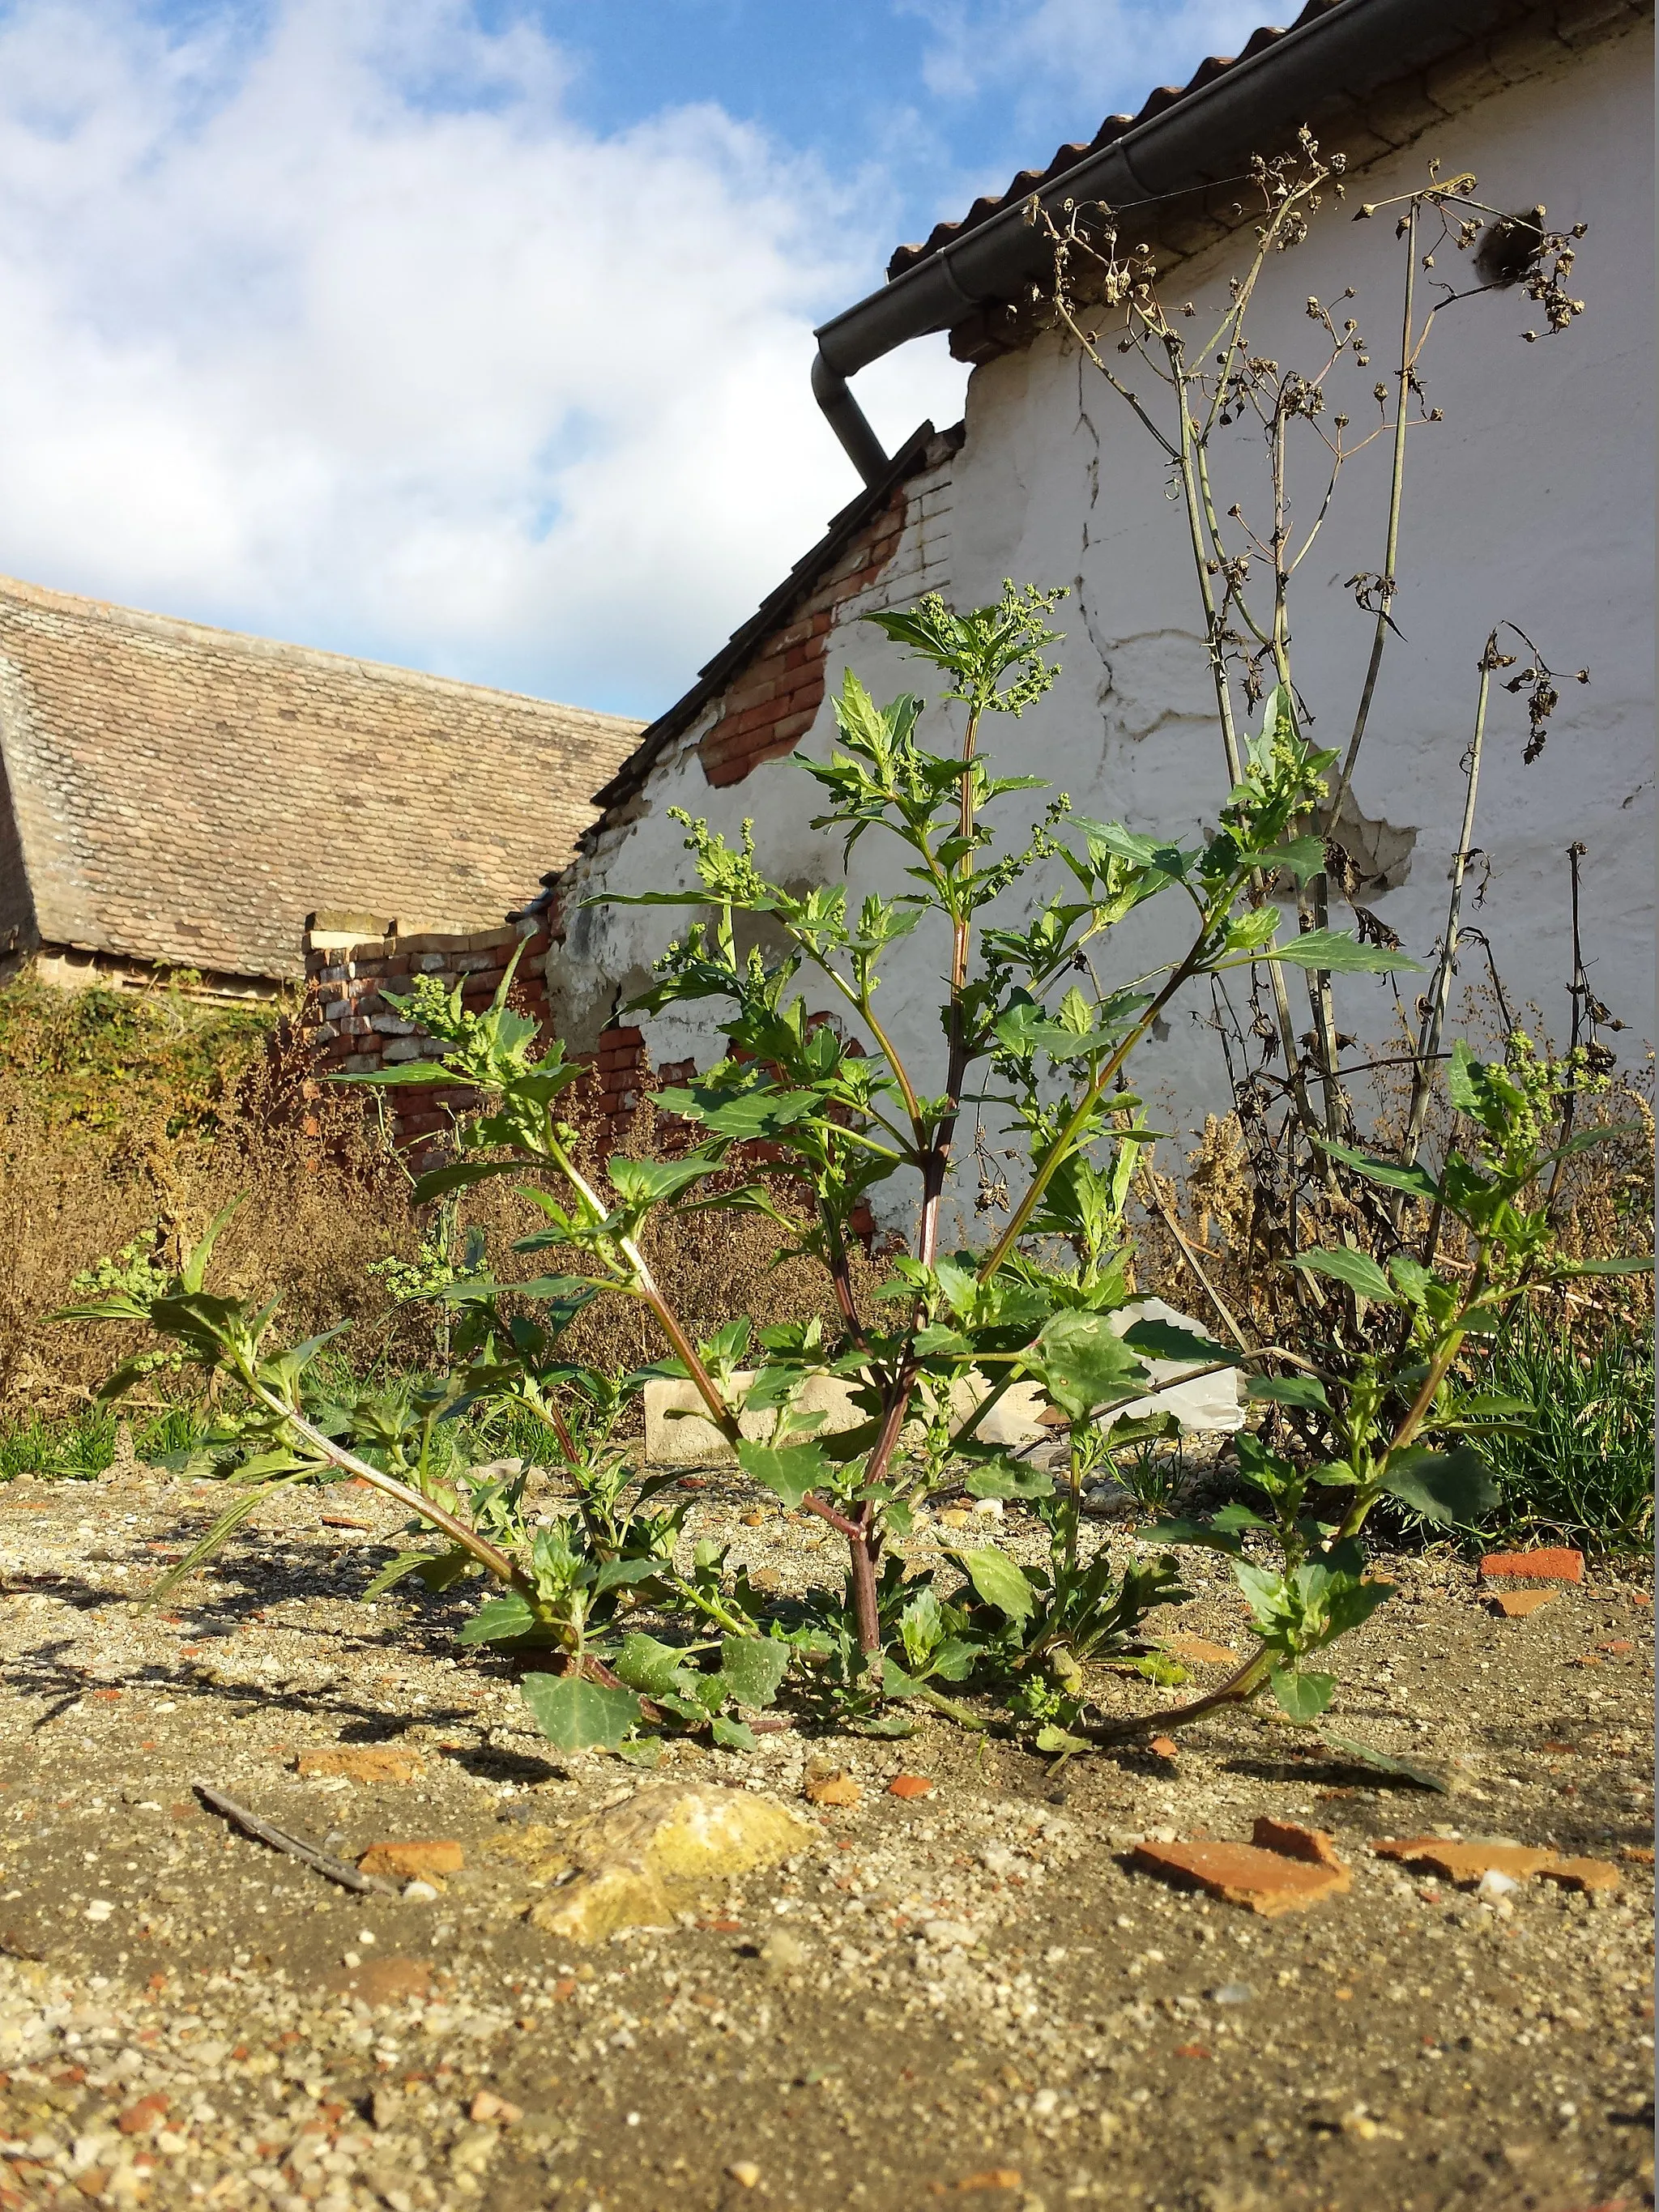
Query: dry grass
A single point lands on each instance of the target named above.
(1235, 1214)
(325, 1196)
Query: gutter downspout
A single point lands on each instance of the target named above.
(1204, 136)
(849, 421)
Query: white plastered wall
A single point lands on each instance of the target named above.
(1531, 501)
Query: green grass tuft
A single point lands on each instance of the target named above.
(1584, 1469)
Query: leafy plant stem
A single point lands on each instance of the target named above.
(1060, 1151)
(452, 1525)
(1239, 1688)
(1428, 1042)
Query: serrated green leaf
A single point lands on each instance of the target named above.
(448, 1567)
(614, 1574)
(499, 1619)
(647, 1665)
(1050, 1738)
(578, 1715)
(1288, 1390)
(460, 1175)
(1415, 1180)
(789, 1470)
(1452, 1489)
(752, 1668)
(1335, 953)
(407, 1071)
(744, 1115)
(1010, 1478)
(1303, 1697)
(955, 1660)
(1166, 1339)
(1356, 1269)
(641, 1751)
(732, 1736)
(1301, 857)
(1084, 1364)
(1000, 1582)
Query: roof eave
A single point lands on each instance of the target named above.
(1196, 142)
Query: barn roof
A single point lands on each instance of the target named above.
(185, 796)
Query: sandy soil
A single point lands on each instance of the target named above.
(965, 1995)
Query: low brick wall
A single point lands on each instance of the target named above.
(350, 1027)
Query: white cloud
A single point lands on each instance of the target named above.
(1122, 48)
(340, 328)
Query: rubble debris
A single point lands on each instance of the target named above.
(364, 1879)
(1467, 1863)
(1283, 1868)
(1517, 1604)
(361, 1763)
(413, 1861)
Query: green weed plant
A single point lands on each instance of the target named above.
(1033, 1040)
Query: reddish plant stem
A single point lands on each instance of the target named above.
(1239, 1688)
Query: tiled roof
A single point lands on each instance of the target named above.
(1115, 126)
(186, 796)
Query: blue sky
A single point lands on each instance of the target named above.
(474, 334)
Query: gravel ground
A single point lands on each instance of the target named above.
(964, 1994)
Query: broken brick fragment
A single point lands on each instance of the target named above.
(909, 1786)
(1516, 1605)
(833, 1789)
(1467, 1862)
(143, 2117)
(1299, 1868)
(1198, 1651)
(382, 1981)
(361, 1763)
(413, 1861)
(1554, 1565)
(1316, 1846)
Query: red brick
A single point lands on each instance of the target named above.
(1556, 1564)
(1316, 1846)
(754, 690)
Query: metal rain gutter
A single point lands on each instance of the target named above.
(1204, 136)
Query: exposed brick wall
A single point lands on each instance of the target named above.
(769, 707)
(350, 1028)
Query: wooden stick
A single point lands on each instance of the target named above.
(280, 1840)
